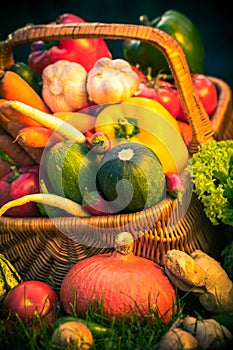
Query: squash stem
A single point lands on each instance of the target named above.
(126, 128)
(124, 243)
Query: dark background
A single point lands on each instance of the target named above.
(214, 21)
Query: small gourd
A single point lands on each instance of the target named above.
(9, 277)
(119, 284)
(131, 177)
(64, 86)
(72, 335)
(178, 339)
(111, 81)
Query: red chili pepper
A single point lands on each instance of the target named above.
(16, 184)
(83, 51)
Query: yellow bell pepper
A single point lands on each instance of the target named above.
(147, 122)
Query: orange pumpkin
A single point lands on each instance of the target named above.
(123, 284)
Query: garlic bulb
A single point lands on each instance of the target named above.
(209, 333)
(111, 81)
(64, 86)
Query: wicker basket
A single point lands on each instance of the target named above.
(41, 248)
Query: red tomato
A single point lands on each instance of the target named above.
(207, 93)
(168, 96)
(29, 298)
(165, 93)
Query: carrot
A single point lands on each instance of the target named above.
(18, 155)
(53, 200)
(37, 136)
(15, 116)
(4, 167)
(19, 118)
(64, 129)
(9, 126)
(3, 119)
(14, 87)
(12, 128)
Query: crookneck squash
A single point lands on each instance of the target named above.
(9, 277)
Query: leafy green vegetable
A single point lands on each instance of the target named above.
(212, 174)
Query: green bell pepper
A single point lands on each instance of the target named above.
(182, 29)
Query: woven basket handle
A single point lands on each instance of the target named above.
(173, 53)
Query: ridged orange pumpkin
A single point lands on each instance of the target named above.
(124, 284)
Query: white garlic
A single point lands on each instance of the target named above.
(64, 86)
(111, 81)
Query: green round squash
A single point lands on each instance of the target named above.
(131, 176)
(70, 168)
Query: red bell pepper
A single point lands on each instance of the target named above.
(83, 51)
(18, 183)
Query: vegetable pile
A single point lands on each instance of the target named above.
(86, 134)
(98, 106)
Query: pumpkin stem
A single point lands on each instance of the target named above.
(126, 128)
(124, 243)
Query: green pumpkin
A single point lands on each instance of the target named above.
(70, 168)
(131, 176)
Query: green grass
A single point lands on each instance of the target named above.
(128, 335)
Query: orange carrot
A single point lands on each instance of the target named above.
(9, 126)
(37, 136)
(19, 156)
(9, 114)
(12, 128)
(14, 87)
(63, 128)
(15, 116)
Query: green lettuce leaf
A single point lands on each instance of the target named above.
(211, 169)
